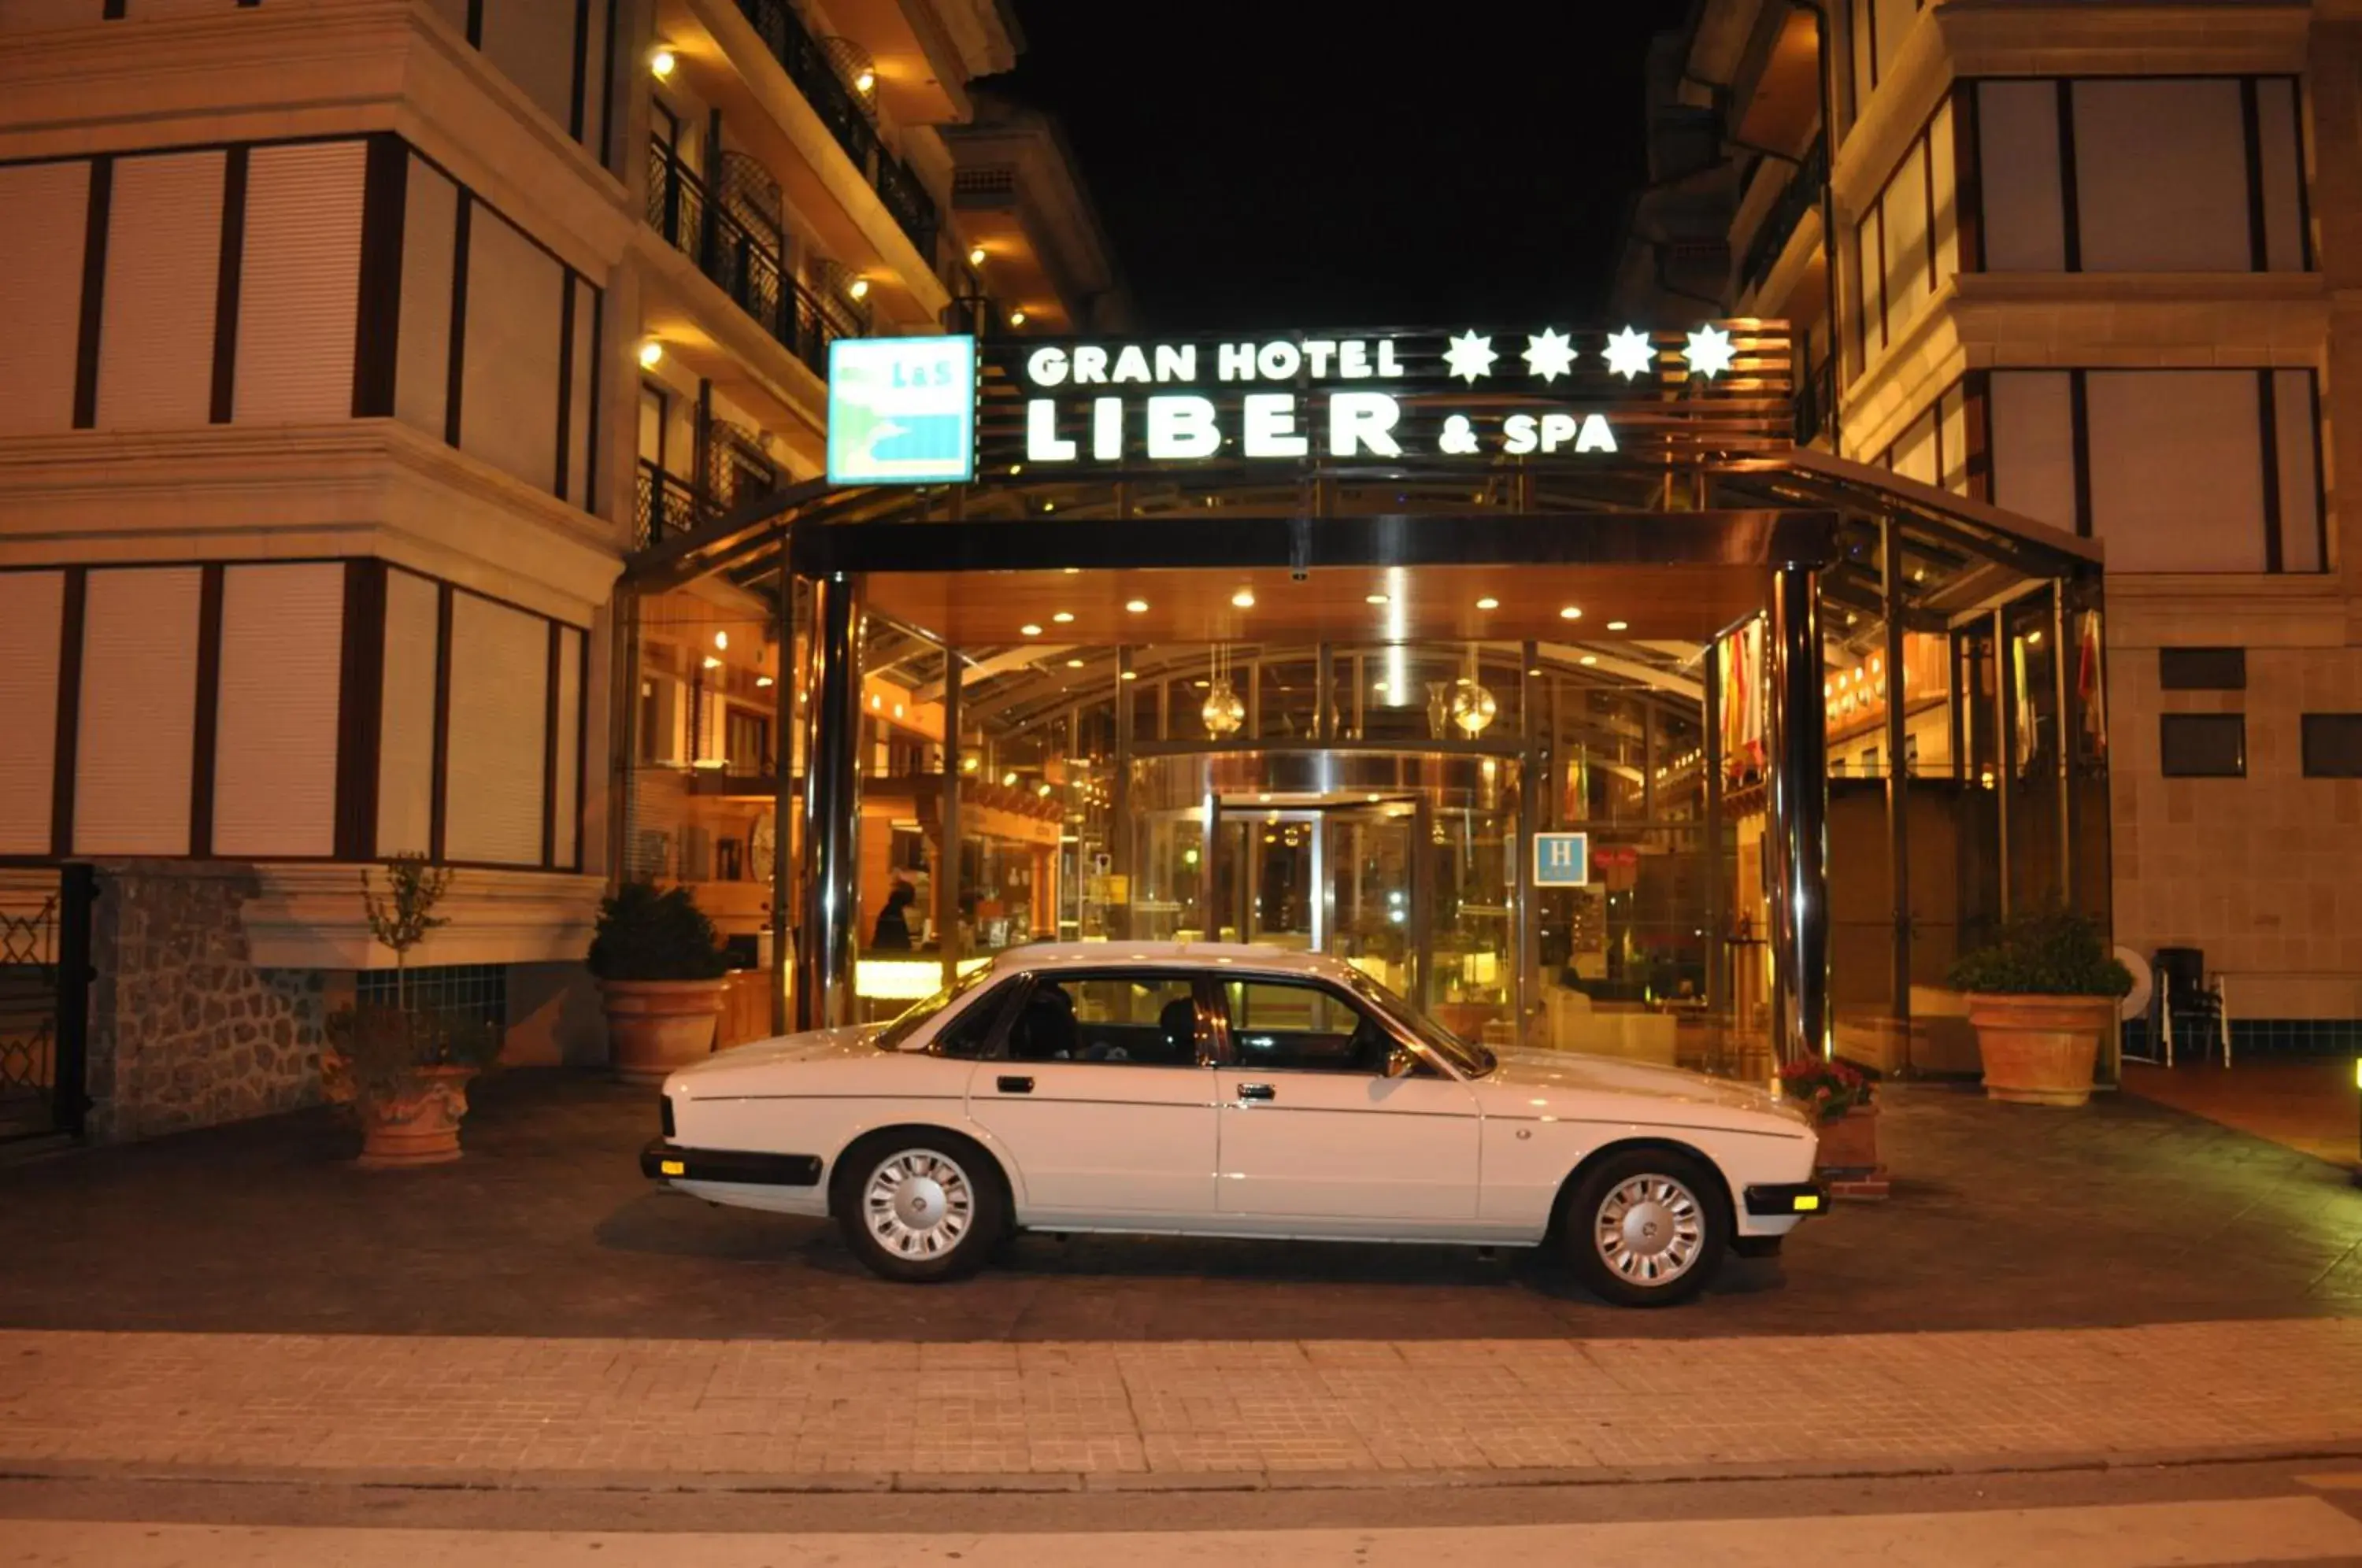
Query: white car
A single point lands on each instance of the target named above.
(1205, 1090)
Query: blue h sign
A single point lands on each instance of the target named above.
(1561, 859)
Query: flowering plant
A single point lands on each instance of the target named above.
(1826, 1088)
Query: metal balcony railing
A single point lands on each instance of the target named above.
(668, 505)
(747, 265)
(1817, 398)
(1800, 195)
(842, 110)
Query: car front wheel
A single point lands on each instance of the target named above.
(1645, 1228)
(920, 1207)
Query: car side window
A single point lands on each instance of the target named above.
(1146, 1018)
(969, 1035)
(1290, 1026)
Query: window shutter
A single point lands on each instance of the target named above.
(500, 673)
(32, 605)
(275, 734)
(42, 213)
(163, 254)
(138, 711)
(300, 297)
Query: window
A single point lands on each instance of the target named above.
(1147, 1018)
(1292, 1027)
(966, 1034)
(2203, 746)
(2332, 745)
(2201, 670)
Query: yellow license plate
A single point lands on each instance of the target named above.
(672, 1167)
(1807, 1201)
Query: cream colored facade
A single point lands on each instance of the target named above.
(2093, 265)
(332, 329)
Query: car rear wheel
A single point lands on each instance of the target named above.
(920, 1206)
(1646, 1227)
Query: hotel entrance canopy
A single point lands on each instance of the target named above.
(1620, 516)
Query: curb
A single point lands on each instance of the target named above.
(1136, 1482)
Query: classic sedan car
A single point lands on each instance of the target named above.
(1212, 1091)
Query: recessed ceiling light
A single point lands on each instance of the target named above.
(1074, 664)
(1029, 629)
(1129, 675)
(1373, 599)
(1072, 570)
(1008, 779)
(1570, 614)
(1063, 616)
(1243, 599)
(1488, 603)
(1536, 671)
(1617, 626)
(1137, 606)
(1590, 658)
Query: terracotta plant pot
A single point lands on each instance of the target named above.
(2040, 1049)
(1850, 1143)
(655, 1026)
(418, 1124)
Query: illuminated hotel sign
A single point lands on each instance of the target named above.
(1389, 399)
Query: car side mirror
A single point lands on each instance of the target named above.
(1401, 1061)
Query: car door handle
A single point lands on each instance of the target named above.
(1257, 1091)
(1016, 1086)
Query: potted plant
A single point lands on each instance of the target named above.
(2041, 998)
(1837, 1096)
(660, 969)
(405, 1075)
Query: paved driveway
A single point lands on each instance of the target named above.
(2003, 1217)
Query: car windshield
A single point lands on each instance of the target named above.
(1473, 1060)
(912, 1018)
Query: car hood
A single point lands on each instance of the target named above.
(812, 1046)
(1568, 1082)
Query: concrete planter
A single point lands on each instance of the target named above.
(656, 1026)
(2040, 1049)
(418, 1124)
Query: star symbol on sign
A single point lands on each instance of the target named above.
(1630, 353)
(1470, 355)
(1710, 352)
(1550, 355)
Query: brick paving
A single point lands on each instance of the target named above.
(494, 1410)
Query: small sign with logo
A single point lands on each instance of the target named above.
(1561, 859)
(902, 410)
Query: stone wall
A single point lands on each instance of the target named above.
(185, 1029)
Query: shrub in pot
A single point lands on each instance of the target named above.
(2041, 998)
(661, 967)
(405, 1075)
(1837, 1096)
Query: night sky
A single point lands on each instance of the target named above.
(1283, 163)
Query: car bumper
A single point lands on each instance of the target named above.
(1785, 1200)
(661, 1161)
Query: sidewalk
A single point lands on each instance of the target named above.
(574, 1412)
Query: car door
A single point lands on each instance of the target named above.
(1311, 1126)
(1100, 1092)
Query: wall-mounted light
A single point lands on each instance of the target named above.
(1008, 780)
(651, 353)
(976, 256)
(1137, 606)
(866, 82)
(662, 62)
(762, 680)
(858, 287)
(1016, 318)
(712, 663)
(721, 639)
(1243, 599)
(1488, 603)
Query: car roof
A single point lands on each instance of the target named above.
(1049, 955)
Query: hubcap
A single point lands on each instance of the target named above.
(919, 1203)
(1651, 1230)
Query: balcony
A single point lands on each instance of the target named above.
(742, 254)
(1800, 195)
(668, 505)
(842, 110)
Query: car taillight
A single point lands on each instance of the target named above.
(665, 1102)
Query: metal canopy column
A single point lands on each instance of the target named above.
(831, 807)
(947, 830)
(1798, 828)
